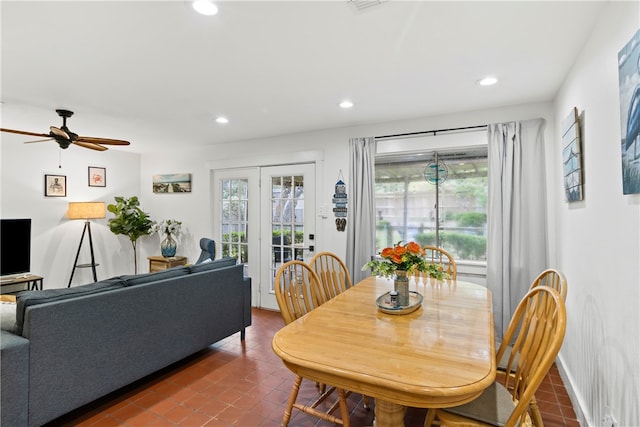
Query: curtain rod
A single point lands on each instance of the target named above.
(434, 132)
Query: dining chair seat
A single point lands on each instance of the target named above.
(493, 408)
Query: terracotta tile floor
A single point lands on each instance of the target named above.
(244, 384)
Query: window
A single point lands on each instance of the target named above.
(234, 202)
(452, 215)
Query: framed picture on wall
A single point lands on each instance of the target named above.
(97, 177)
(572, 157)
(629, 81)
(172, 183)
(55, 186)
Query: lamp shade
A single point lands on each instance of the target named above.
(86, 210)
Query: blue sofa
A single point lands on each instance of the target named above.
(71, 346)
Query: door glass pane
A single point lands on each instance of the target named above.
(287, 216)
(234, 204)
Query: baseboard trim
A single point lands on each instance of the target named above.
(573, 396)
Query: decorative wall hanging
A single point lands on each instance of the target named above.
(172, 183)
(629, 81)
(340, 202)
(55, 186)
(572, 157)
(436, 172)
(97, 177)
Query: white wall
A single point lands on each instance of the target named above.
(598, 239)
(55, 239)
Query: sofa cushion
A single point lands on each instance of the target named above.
(7, 316)
(140, 279)
(26, 299)
(213, 265)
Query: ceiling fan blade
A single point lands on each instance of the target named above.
(105, 141)
(22, 132)
(39, 140)
(90, 145)
(59, 132)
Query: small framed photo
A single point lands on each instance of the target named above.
(55, 186)
(97, 177)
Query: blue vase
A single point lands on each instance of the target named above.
(168, 247)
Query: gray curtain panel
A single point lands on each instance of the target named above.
(361, 222)
(517, 208)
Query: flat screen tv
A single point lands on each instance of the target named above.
(15, 246)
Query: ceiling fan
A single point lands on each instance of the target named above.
(64, 137)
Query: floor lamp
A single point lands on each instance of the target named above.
(85, 211)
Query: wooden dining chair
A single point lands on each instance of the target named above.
(537, 330)
(440, 257)
(298, 292)
(334, 279)
(556, 280)
(333, 273)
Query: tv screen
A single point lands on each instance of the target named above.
(15, 246)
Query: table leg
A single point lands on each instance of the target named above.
(389, 414)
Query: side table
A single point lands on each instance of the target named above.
(158, 263)
(33, 282)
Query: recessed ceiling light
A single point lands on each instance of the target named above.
(346, 104)
(205, 7)
(222, 120)
(488, 81)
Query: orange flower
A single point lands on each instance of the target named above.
(386, 253)
(414, 248)
(399, 250)
(396, 258)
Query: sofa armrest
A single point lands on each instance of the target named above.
(14, 387)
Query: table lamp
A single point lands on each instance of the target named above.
(86, 211)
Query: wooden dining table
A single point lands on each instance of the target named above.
(440, 355)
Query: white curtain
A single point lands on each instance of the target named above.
(361, 226)
(517, 226)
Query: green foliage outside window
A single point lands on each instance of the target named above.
(472, 219)
(299, 236)
(460, 245)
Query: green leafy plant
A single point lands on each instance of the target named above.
(131, 221)
(408, 257)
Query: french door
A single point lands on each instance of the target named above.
(287, 221)
(234, 211)
(265, 217)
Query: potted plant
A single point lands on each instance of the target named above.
(131, 221)
(400, 261)
(168, 229)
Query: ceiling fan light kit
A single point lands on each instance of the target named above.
(64, 137)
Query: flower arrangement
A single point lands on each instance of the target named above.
(170, 227)
(408, 257)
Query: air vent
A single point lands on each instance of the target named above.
(360, 5)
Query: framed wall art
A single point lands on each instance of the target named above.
(572, 157)
(629, 81)
(97, 176)
(172, 183)
(55, 186)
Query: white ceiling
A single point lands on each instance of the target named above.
(157, 74)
